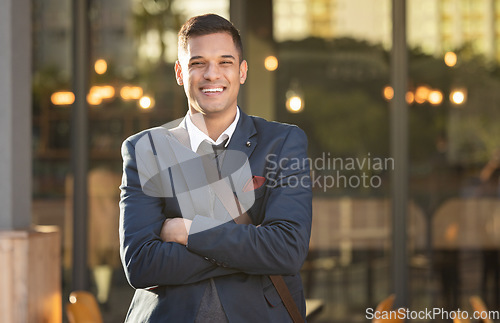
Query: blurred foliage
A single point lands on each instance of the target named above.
(157, 16)
(341, 80)
(157, 76)
(345, 113)
(332, 127)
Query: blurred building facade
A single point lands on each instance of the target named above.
(435, 26)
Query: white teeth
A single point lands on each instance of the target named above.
(219, 89)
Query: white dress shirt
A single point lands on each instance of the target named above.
(196, 136)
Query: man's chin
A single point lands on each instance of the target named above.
(213, 110)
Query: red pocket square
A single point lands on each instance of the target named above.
(254, 183)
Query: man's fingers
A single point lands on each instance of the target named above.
(187, 225)
(175, 230)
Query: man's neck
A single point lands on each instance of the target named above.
(213, 125)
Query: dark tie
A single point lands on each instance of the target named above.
(212, 156)
(211, 310)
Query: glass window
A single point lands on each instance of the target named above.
(133, 46)
(454, 172)
(330, 82)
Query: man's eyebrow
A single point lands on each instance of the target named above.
(228, 56)
(195, 57)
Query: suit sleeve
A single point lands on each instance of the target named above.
(147, 260)
(280, 244)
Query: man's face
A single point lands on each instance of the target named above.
(211, 74)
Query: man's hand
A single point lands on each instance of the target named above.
(175, 230)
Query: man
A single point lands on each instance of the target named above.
(188, 260)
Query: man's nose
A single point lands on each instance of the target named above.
(212, 72)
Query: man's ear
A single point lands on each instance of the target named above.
(178, 72)
(243, 71)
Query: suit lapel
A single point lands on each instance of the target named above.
(191, 169)
(186, 158)
(244, 139)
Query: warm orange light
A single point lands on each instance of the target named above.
(100, 66)
(62, 98)
(106, 91)
(410, 97)
(99, 93)
(388, 93)
(294, 104)
(458, 96)
(435, 97)
(271, 63)
(146, 102)
(93, 98)
(131, 92)
(450, 59)
(422, 94)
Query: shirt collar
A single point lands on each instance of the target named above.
(196, 136)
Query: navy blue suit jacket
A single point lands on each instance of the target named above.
(170, 278)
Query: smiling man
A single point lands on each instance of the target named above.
(211, 69)
(193, 243)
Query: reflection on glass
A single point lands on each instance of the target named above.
(450, 145)
(343, 67)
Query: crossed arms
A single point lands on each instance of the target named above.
(153, 249)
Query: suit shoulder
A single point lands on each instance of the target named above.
(169, 125)
(135, 137)
(274, 128)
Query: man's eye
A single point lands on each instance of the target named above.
(226, 62)
(196, 63)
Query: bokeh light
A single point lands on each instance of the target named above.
(146, 102)
(410, 97)
(422, 94)
(62, 98)
(435, 97)
(457, 96)
(450, 59)
(100, 66)
(388, 93)
(131, 92)
(294, 104)
(271, 63)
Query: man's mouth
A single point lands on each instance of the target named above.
(212, 90)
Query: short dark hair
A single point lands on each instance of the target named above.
(209, 24)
